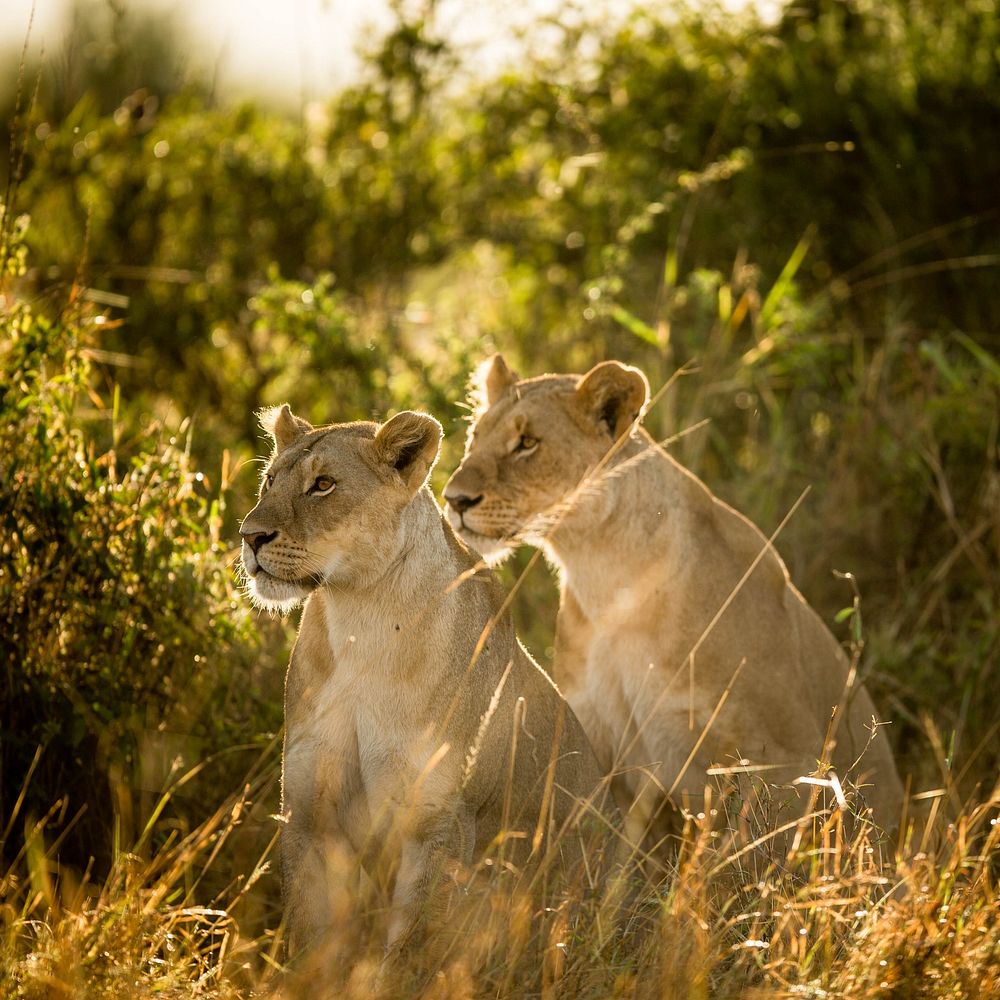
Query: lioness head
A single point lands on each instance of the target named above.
(531, 444)
(330, 502)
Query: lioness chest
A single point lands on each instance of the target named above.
(630, 685)
(354, 742)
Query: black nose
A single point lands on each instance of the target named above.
(462, 503)
(257, 539)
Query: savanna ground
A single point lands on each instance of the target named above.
(802, 215)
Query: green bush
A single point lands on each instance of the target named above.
(675, 145)
(125, 641)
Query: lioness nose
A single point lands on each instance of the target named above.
(257, 539)
(462, 503)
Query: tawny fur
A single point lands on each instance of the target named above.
(655, 629)
(398, 729)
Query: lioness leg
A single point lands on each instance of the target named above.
(425, 882)
(319, 883)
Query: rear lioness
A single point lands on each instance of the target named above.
(672, 660)
(407, 688)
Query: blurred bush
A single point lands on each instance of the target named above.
(675, 144)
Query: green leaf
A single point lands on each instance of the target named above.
(633, 324)
(782, 286)
(933, 353)
(983, 356)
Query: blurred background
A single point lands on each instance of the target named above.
(283, 54)
(215, 207)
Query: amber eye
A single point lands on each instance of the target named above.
(322, 486)
(526, 443)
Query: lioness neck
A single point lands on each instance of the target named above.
(639, 502)
(398, 601)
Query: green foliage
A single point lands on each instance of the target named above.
(118, 605)
(307, 343)
(675, 145)
(185, 210)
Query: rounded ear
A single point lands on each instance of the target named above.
(614, 395)
(409, 443)
(491, 380)
(282, 425)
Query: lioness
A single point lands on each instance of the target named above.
(672, 660)
(407, 690)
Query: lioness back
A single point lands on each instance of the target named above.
(682, 644)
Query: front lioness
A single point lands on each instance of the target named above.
(672, 660)
(407, 687)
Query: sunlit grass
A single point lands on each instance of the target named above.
(829, 915)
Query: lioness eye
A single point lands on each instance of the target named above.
(268, 480)
(525, 443)
(322, 486)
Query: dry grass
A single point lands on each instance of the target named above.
(823, 915)
(156, 926)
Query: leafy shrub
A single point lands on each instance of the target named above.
(121, 622)
(311, 345)
(676, 145)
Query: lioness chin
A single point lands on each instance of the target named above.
(681, 643)
(419, 735)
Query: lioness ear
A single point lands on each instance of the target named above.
(614, 395)
(283, 425)
(491, 380)
(409, 443)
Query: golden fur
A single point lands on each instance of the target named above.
(406, 686)
(673, 662)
